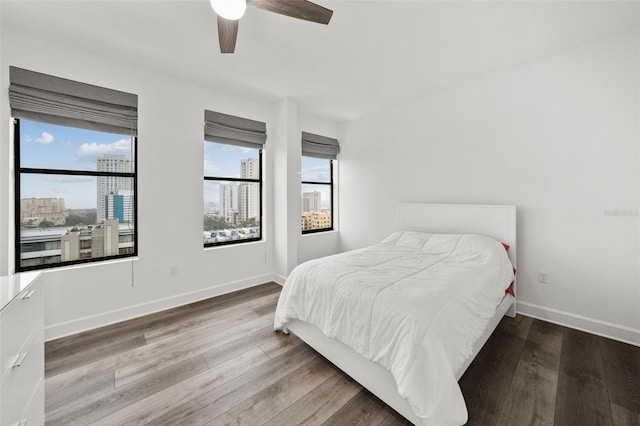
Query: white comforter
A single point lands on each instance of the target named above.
(415, 304)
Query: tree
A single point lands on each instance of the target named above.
(46, 223)
(211, 223)
(249, 222)
(81, 217)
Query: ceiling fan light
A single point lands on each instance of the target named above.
(229, 9)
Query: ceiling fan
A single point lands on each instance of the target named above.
(230, 11)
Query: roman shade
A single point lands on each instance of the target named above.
(55, 100)
(232, 130)
(319, 146)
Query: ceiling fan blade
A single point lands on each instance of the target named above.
(301, 9)
(227, 34)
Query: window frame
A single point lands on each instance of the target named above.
(331, 192)
(259, 181)
(19, 171)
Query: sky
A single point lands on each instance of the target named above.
(50, 146)
(222, 160)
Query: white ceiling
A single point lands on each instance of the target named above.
(372, 55)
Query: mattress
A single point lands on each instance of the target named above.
(415, 304)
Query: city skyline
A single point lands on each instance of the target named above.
(239, 201)
(316, 170)
(311, 201)
(44, 145)
(222, 160)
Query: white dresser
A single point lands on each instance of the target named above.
(22, 350)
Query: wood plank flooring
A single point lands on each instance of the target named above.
(219, 362)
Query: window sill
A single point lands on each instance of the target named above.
(99, 263)
(312, 234)
(226, 246)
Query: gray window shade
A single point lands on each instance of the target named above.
(234, 130)
(55, 100)
(319, 146)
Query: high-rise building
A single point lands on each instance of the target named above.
(248, 200)
(111, 185)
(249, 193)
(229, 202)
(249, 168)
(311, 201)
(120, 206)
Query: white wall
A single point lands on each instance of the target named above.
(286, 191)
(558, 138)
(5, 170)
(170, 158)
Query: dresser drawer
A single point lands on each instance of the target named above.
(34, 414)
(19, 383)
(18, 320)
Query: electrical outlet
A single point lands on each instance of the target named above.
(543, 277)
(173, 270)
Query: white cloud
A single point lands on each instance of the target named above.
(91, 151)
(317, 173)
(69, 178)
(45, 138)
(234, 148)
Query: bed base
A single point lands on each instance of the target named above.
(372, 376)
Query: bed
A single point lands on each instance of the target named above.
(384, 315)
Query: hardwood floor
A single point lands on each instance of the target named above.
(219, 362)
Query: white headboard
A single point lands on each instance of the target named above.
(496, 221)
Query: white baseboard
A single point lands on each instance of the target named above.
(67, 328)
(590, 325)
(279, 279)
(56, 331)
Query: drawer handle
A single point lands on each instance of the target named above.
(28, 294)
(22, 422)
(19, 360)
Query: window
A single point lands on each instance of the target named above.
(75, 183)
(318, 155)
(317, 194)
(75, 199)
(232, 179)
(232, 193)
